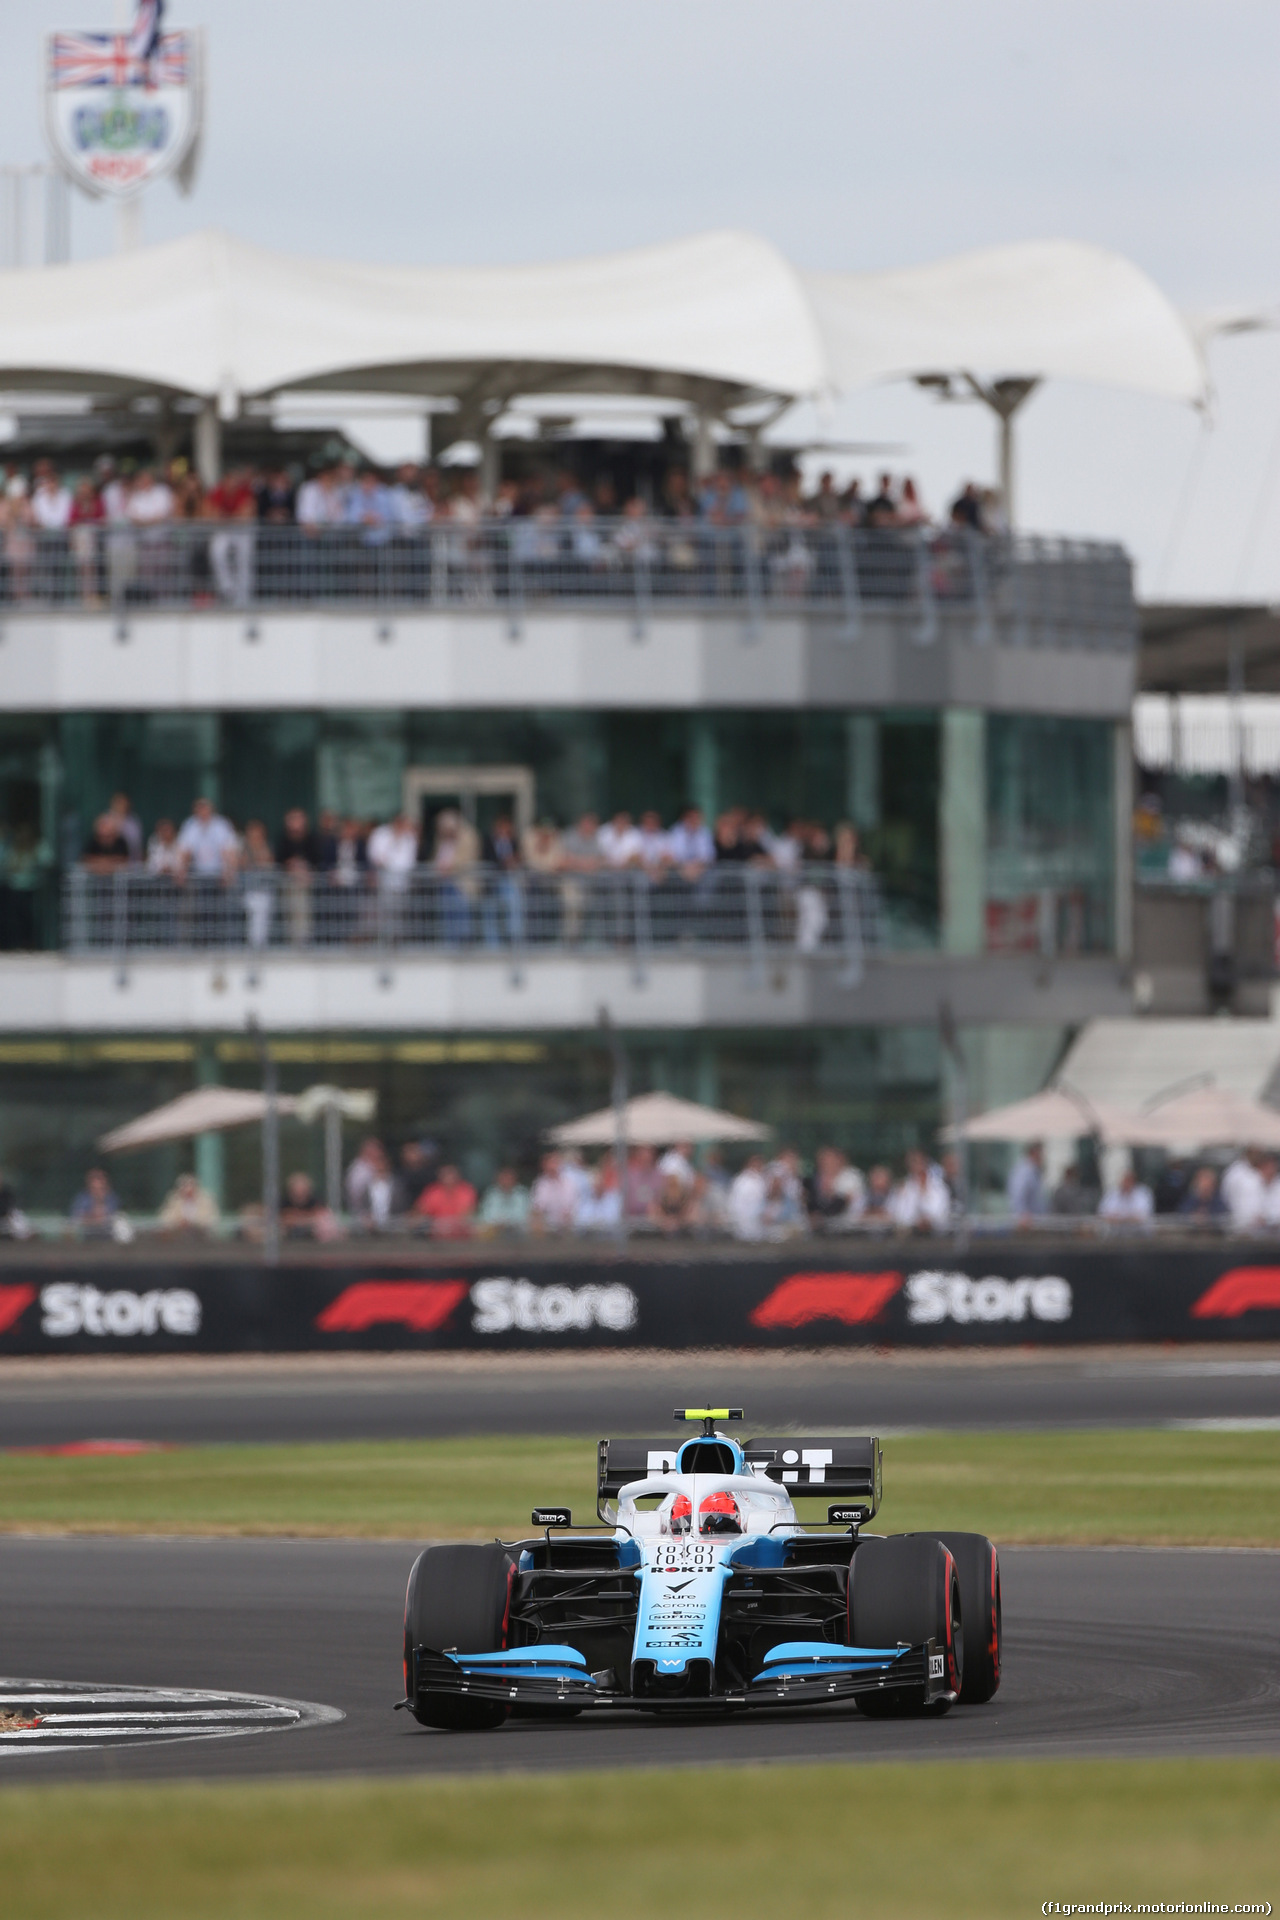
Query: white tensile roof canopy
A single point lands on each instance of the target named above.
(713, 321)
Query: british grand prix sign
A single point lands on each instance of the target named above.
(124, 109)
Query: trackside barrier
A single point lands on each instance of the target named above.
(925, 1297)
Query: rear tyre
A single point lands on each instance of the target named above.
(979, 1569)
(906, 1588)
(456, 1601)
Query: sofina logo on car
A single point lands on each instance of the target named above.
(503, 1305)
(69, 1310)
(932, 1297)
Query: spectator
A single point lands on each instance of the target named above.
(966, 509)
(207, 843)
(296, 854)
(580, 857)
(231, 548)
(505, 1207)
(304, 1216)
(1202, 1202)
(164, 855)
(14, 1224)
(417, 1171)
(1243, 1191)
(836, 1193)
(640, 1188)
(392, 853)
(782, 1213)
(654, 846)
(690, 843)
(668, 1210)
(553, 1200)
(922, 1202)
(258, 869)
(128, 824)
(1128, 1201)
(189, 1210)
(106, 850)
(95, 1210)
(1270, 1177)
(910, 511)
(320, 502)
(369, 1189)
(677, 1161)
(746, 1200)
(1072, 1199)
(453, 859)
(599, 1210)
(449, 1203)
(87, 517)
(879, 1196)
(503, 909)
(619, 841)
(1025, 1188)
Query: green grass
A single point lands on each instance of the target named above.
(1132, 1485)
(800, 1842)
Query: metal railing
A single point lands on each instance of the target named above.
(1032, 590)
(820, 912)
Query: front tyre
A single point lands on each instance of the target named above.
(906, 1588)
(456, 1601)
(979, 1569)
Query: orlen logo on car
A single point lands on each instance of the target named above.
(1241, 1290)
(506, 1306)
(851, 1298)
(932, 1297)
(70, 1309)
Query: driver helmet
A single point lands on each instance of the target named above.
(681, 1516)
(719, 1514)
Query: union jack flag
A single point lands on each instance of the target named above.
(109, 60)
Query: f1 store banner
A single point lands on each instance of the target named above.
(932, 1298)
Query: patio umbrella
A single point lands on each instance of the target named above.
(205, 1110)
(1207, 1117)
(655, 1120)
(1055, 1114)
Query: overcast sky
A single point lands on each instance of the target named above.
(852, 135)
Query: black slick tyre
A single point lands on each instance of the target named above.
(456, 1601)
(978, 1566)
(906, 1588)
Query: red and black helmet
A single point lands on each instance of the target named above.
(680, 1518)
(719, 1514)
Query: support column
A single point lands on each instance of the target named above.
(208, 444)
(862, 770)
(490, 465)
(703, 765)
(211, 1164)
(703, 459)
(1122, 830)
(962, 831)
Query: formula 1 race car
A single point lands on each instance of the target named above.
(700, 1589)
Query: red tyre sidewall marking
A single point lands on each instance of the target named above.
(953, 1676)
(995, 1616)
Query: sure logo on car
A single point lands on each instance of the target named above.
(68, 1309)
(934, 1297)
(503, 1305)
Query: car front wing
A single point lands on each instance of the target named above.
(797, 1673)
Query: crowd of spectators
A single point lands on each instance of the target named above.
(108, 534)
(1243, 1196)
(684, 1192)
(337, 880)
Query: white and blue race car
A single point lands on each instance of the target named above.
(700, 1589)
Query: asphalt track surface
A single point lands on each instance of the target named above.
(363, 1397)
(1114, 1651)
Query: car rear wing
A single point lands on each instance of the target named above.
(839, 1468)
